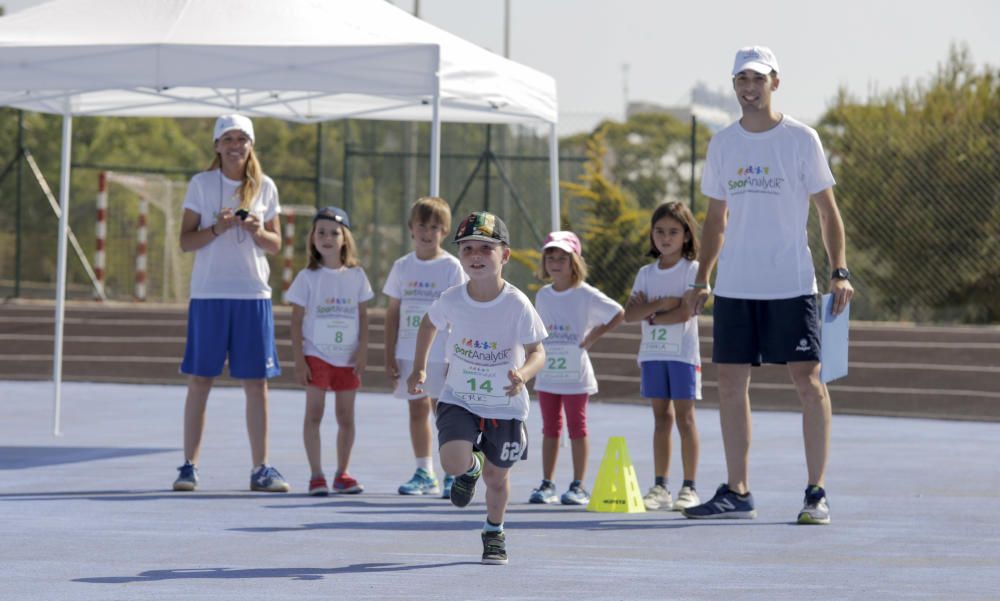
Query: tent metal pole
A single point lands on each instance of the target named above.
(435, 183)
(436, 146)
(554, 177)
(64, 184)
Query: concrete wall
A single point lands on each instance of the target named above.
(917, 371)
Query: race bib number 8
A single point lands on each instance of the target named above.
(335, 335)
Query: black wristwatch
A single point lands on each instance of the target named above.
(840, 273)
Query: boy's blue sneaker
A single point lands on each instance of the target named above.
(449, 481)
(544, 494)
(724, 505)
(576, 495)
(815, 509)
(465, 484)
(421, 483)
(268, 479)
(187, 480)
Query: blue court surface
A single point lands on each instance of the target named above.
(90, 515)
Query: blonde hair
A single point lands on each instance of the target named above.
(431, 208)
(253, 176)
(578, 267)
(348, 252)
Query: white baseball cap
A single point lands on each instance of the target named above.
(230, 122)
(755, 58)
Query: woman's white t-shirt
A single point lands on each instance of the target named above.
(331, 298)
(486, 341)
(569, 315)
(674, 342)
(231, 265)
(416, 284)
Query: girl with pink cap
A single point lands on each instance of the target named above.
(576, 315)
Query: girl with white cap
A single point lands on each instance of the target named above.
(231, 224)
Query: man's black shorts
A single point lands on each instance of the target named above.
(765, 331)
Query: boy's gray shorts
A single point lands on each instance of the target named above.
(503, 441)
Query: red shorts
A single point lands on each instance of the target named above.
(331, 377)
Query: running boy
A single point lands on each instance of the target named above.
(493, 350)
(415, 281)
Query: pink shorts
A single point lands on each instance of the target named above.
(331, 377)
(553, 405)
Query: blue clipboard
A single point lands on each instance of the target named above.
(833, 341)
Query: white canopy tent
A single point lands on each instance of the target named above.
(298, 60)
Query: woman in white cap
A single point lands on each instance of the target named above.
(231, 224)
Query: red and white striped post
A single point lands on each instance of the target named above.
(102, 232)
(140, 254)
(286, 275)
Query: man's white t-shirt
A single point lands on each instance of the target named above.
(231, 265)
(673, 342)
(486, 341)
(569, 316)
(331, 298)
(766, 179)
(417, 284)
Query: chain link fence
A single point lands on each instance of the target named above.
(921, 206)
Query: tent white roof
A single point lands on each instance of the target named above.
(299, 60)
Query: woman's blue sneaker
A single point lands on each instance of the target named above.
(724, 505)
(268, 479)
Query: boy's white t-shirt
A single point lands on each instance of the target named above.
(331, 298)
(569, 316)
(766, 179)
(417, 284)
(673, 342)
(231, 265)
(486, 341)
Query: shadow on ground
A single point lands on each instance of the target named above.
(290, 573)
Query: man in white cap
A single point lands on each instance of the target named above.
(760, 176)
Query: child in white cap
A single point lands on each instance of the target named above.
(761, 176)
(231, 224)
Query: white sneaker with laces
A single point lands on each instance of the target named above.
(658, 497)
(686, 497)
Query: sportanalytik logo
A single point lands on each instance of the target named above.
(755, 178)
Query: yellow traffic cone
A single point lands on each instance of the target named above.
(617, 488)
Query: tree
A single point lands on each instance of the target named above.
(649, 155)
(613, 227)
(919, 188)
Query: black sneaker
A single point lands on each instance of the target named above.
(494, 548)
(464, 487)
